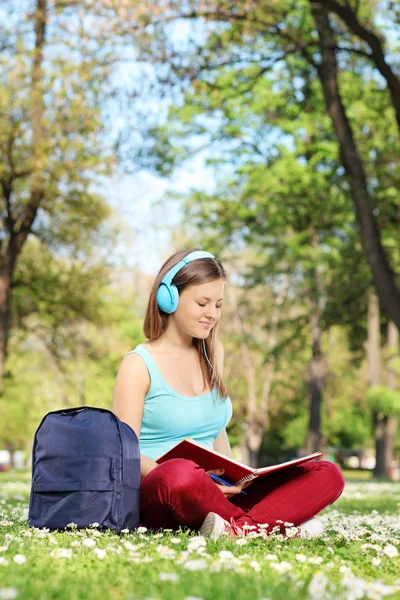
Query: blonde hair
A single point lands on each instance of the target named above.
(195, 272)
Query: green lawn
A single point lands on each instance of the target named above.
(357, 557)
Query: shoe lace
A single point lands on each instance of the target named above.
(233, 528)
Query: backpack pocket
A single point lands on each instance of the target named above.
(73, 490)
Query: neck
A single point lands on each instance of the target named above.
(176, 339)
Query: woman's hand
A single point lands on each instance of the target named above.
(228, 490)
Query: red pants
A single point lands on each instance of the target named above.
(179, 492)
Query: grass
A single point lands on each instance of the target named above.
(356, 558)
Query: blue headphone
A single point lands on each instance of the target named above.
(167, 294)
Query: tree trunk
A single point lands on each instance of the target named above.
(5, 283)
(374, 366)
(12, 449)
(316, 384)
(393, 343)
(382, 274)
(380, 424)
(317, 369)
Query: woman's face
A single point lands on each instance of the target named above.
(200, 308)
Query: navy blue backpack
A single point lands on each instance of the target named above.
(85, 469)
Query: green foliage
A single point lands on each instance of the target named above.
(383, 401)
(57, 290)
(66, 343)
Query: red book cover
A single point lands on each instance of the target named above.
(235, 472)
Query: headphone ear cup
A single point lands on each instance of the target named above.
(175, 297)
(167, 298)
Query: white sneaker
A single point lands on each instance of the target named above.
(312, 528)
(214, 526)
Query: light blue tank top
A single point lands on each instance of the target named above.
(168, 417)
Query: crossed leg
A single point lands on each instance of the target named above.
(179, 492)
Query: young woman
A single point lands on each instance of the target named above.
(171, 387)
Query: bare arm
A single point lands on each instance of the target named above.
(131, 386)
(221, 444)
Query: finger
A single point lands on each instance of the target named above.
(235, 489)
(216, 471)
(247, 483)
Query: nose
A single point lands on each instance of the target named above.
(212, 314)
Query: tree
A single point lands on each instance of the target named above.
(253, 39)
(327, 69)
(67, 340)
(51, 144)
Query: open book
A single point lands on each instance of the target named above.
(235, 472)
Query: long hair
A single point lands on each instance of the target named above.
(195, 272)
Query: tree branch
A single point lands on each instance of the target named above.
(375, 44)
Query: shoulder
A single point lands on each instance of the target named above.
(134, 368)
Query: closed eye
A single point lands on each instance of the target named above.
(218, 306)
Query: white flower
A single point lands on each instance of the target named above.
(100, 553)
(95, 533)
(344, 569)
(301, 557)
(315, 560)
(247, 526)
(3, 561)
(255, 565)
(241, 541)
(124, 530)
(72, 525)
(61, 553)
(390, 551)
(89, 543)
(317, 587)
(129, 546)
(192, 598)
(282, 567)
(291, 531)
(168, 577)
(3, 548)
(271, 557)
(195, 565)
(76, 544)
(8, 593)
(375, 561)
(20, 559)
(141, 529)
(26, 533)
(195, 543)
(94, 525)
(225, 554)
(165, 551)
(175, 540)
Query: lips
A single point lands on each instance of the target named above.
(207, 324)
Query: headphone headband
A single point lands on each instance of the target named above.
(187, 259)
(167, 294)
